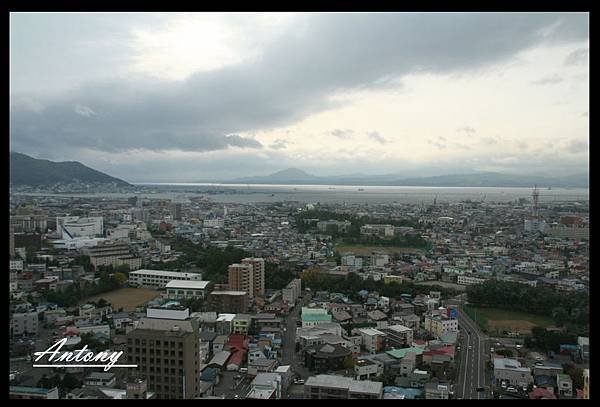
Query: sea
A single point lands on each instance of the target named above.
(263, 193)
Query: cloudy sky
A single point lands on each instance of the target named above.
(207, 96)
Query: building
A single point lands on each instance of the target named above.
(29, 223)
(11, 240)
(241, 278)
(176, 210)
(184, 289)
(164, 345)
(160, 278)
(103, 379)
(510, 371)
(25, 323)
(586, 384)
(258, 266)
(228, 301)
(377, 230)
(398, 336)
(438, 325)
(241, 324)
(75, 226)
(437, 391)
(312, 317)
(465, 279)
(341, 388)
(266, 386)
(564, 385)
(365, 368)
(583, 348)
(27, 392)
(373, 340)
(292, 291)
(325, 357)
(115, 255)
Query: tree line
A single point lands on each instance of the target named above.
(352, 283)
(572, 308)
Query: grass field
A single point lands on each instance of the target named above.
(367, 250)
(494, 320)
(127, 298)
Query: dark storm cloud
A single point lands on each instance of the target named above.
(319, 55)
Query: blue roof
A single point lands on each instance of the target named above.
(406, 392)
(209, 374)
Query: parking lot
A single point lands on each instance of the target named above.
(233, 384)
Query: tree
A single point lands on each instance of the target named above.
(70, 382)
(348, 363)
(121, 278)
(560, 315)
(576, 375)
(505, 352)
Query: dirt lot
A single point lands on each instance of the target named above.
(128, 298)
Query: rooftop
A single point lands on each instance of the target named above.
(198, 285)
(341, 382)
(164, 273)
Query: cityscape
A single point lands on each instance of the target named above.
(165, 252)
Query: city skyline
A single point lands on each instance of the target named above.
(180, 97)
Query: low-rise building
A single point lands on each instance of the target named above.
(182, 289)
(342, 388)
(510, 371)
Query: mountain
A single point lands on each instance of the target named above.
(25, 170)
(289, 176)
(476, 179)
(494, 179)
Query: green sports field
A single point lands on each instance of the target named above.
(495, 320)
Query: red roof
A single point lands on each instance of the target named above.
(541, 393)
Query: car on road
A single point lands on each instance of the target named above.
(470, 347)
(492, 350)
(511, 389)
(298, 381)
(480, 389)
(237, 377)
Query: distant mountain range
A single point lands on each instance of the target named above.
(25, 170)
(477, 179)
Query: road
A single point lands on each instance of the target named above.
(289, 356)
(473, 357)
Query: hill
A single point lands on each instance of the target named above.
(25, 170)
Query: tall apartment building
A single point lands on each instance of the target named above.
(24, 323)
(176, 209)
(258, 265)
(228, 301)
(11, 242)
(164, 345)
(241, 278)
(29, 223)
